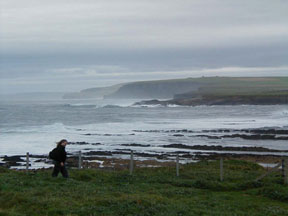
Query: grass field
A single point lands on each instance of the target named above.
(149, 191)
(244, 85)
(213, 86)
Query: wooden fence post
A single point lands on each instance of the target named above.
(131, 163)
(177, 165)
(221, 169)
(27, 161)
(286, 171)
(79, 160)
(276, 168)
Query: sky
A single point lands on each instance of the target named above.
(70, 45)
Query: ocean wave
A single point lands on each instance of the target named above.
(158, 106)
(148, 106)
(285, 112)
(281, 113)
(81, 105)
(93, 106)
(56, 127)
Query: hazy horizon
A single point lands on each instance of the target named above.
(65, 92)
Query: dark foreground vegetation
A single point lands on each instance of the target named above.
(149, 191)
(229, 91)
(197, 91)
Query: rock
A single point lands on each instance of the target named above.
(104, 153)
(178, 135)
(248, 137)
(221, 148)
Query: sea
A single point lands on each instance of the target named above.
(118, 125)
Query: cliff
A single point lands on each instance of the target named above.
(221, 100)
(155, 89)
(232, 91)
(92, 92)
(247, 90)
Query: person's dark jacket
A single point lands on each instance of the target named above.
(61, 154)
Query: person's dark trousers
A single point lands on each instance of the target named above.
(58, 168)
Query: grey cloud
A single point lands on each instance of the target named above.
(270, 55)
(78, 81)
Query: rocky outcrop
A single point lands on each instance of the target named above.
(194, 91)
(221, 148)
(155, 89)
(221, 100)
(93, 92)
(247, 137)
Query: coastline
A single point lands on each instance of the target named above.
(165, 155)
(211, 100)
(155, 136)
(120, 159)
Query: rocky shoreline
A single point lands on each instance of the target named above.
(211, 100)
(245, 134)
(118, 159)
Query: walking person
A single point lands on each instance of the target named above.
(59, 156)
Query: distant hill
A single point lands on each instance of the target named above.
(189, 88)
(155, 89)
(32, 96)
(162, 89)
(232, 91)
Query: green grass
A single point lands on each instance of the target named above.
(245, 86)
(227, 86)
(149, 191)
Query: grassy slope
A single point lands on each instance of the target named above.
(211, 86)
(228, 86)
(150, 191)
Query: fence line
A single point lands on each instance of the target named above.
(285, 171)
(131, 163)
(283, 164)
(27, 161)
(269, 172)
(221, 169)
(177, 165)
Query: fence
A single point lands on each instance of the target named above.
(283, 165)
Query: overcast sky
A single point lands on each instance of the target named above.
(69, 45)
